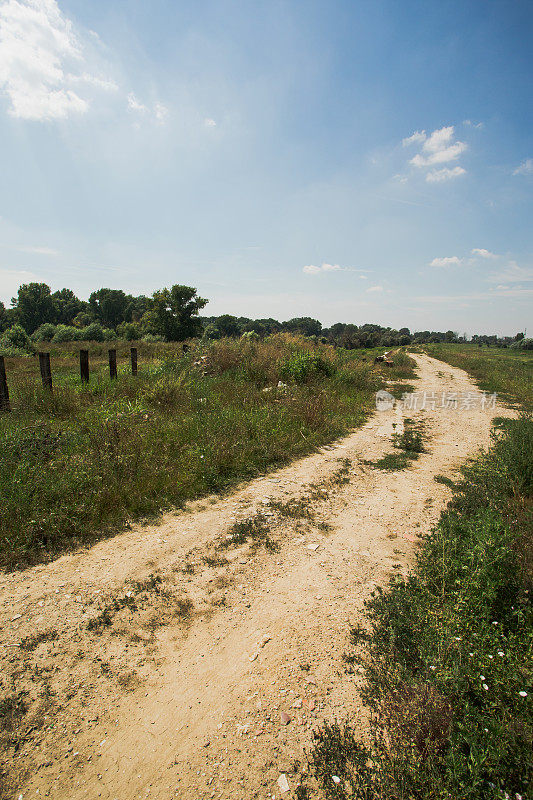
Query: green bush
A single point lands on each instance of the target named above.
(44, 333)
(301, 366)
(109, 335)
(66, 333)
(129, 331)
(15, 341)
(92, 333)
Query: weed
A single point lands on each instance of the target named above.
(445, 481)
(256, 529)
(12, 709)
(32, 642)
(215, 561)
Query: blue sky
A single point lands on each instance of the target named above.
(351, 161)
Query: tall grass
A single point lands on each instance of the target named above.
(449, 651)
(78, 463)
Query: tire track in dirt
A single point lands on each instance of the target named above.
(218, 700)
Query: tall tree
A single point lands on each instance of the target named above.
(67, 306)
(109, 306)
(304, 325)
(34, 305)
(174, 314)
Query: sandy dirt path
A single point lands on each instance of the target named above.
(164, 663)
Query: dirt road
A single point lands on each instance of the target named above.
(174, 662)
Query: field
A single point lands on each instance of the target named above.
(82, 461)
(503, 370)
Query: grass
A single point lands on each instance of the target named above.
(507, 372)
(410, 445)
(448, 651)
(83, 461)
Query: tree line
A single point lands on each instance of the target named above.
(173, 314)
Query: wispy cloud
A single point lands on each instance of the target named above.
(439, 147)
(41, 251)
(447, 261)
(469, 124)
(512, 273)
(209, 123)
(525, 168)
(311, 269)
(375, 289)
(159, 112)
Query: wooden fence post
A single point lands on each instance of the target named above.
(113, 364)
(4, 391)
(133, 361)
(46, 370)
(84, 366)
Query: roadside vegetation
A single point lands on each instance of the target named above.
(81, 461)
(448, 651)
(507, 371)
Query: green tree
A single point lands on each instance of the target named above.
(304, 325)
(67, 306)
(109, 306)
(34, 305)
(174, 314)
(227, 325)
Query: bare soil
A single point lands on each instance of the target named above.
(171, 662)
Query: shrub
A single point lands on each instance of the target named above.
(109, 334)
(302, 366)
(66, 333)
(44, 333)
(129, 331)
(16, 340)
(92, 333)
(153, 337)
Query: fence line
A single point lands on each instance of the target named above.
(46, 371)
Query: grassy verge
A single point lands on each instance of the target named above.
(80, 462)
(507, 372)
(448, 652)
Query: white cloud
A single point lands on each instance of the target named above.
(136, 105)
(525, 168)
(440, 147)
(469, 124)
(415, 138)
(447, 261)
(375, 289)
(43, 67)
(161, 113)
(310, 269)
(444, 174)
(209, 123)
(482, 253)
